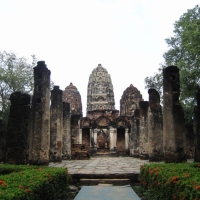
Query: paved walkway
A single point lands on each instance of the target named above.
(108, 168)
(103, 165)
(107, 193)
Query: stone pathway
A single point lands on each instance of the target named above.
(114, 170)
(102, 165)
(107, 193)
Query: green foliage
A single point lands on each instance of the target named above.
(184, 52)
(16, 74)
(33, 182)
(171, 181)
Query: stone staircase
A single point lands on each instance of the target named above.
(105, 152)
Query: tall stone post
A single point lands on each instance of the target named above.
(173, 116)
(197, 128)
(113, 140)
(39, 135)
(17, 129)
(95, 136)
(144, 138)
(80, 133)
(66, 150)
(2, 141)
(134, 136)
(93, 141)
(56, 125)
(155, 127)
(126, 140)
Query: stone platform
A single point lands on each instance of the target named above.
(103, 169)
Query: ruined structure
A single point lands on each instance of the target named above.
(56, 125)
(66, 149)
(155, 127)
(135, 133)
(173, 116)
(72, 96)
(17, 130)
(59, 131)
(143, 132)
(100, 95)
(39, 134)
(130, 101)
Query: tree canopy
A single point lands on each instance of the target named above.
(184, 52)
(16, 74)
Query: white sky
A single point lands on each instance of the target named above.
(74, 36)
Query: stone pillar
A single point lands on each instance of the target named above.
(79, 132)
(197, 128)
(39, 135)
(56, 125)
(173, 116)
(66, 150)
(17, 129)
(134, 136)
(2, 141)
(93, 141)
(113, 140)
(95, 136)
(143, 135)
(155, 127)
(126, 139)
(91, 136)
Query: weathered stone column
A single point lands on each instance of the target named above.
(173, 116)
(56, 125)
(2, 141)
(144, 138)
(17, 129)
(155, 127)
(80, 134)
(126, 139)
(113, 140)
(95, 136)
(93, 141)
(134, 136)
(66, 150)
(91, 136)
(197, 128)
(39, 140)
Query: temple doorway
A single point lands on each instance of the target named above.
(103, 139)
(121, 141)
(86, 137)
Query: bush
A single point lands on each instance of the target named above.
(33, 182)
(171, 181)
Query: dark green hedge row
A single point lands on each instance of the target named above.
(20, 182)
(171, 181)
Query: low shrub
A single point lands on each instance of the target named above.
(171, 181)
(20, 182)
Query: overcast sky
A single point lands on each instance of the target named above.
(74, 36)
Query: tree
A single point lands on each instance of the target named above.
(184, 52)
(16, 74)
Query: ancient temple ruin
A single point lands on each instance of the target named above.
(55, 129)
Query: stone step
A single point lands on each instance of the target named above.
(110, 181)
(104, 155)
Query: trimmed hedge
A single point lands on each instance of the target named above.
(21, 182)
(171, 181)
